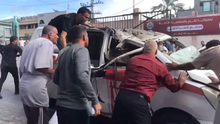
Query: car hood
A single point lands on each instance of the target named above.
(202, 75)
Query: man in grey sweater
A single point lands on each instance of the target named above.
(73, 77)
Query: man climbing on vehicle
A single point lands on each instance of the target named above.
(64, 22)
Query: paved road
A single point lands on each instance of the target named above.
(11, 110)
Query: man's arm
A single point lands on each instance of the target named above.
(199, 62)
(63, 38)
(172, 84)
(43, 59)
(66, 26)
(91, 26)
(187, 66)
(214, 80)
(82, 73)
(19, 50)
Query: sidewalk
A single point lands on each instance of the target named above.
(11, 109)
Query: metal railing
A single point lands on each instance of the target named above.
(133, 20)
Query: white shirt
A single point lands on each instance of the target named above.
(21, 43)
(36, 55)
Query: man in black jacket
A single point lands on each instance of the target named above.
(9, 54)
(64, 22)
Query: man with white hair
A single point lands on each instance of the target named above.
(142, 77)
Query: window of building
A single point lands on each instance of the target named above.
(8, 32)
(206, 6)
(31, 26)
(22, 27)
(36, 26)
(1, 31)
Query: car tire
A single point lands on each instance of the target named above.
(173, 116)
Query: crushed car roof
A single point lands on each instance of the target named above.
(138, 37)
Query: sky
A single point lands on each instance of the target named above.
(21, 8)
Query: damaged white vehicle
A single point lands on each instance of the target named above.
(110, 49)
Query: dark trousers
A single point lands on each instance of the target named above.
(36, 115)
(71, 116)
(131, 108)
(4, 74)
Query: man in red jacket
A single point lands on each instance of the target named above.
(143, 75)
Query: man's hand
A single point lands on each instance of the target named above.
(93, 25)
(55, 65)
(213, 79)
(171, 66)
(182, 78)
(97, 108)
(169, 53)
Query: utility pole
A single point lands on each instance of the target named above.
(133, 5)
(92, 7)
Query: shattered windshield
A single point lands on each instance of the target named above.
(185, 55)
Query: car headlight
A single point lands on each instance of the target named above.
(211, 95)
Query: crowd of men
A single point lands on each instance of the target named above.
(72, 74)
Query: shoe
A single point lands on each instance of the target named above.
(0, 96)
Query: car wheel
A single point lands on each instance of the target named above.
(173, 116)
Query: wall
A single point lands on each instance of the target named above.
(15, 25)
(44, 19)
(199, 9)
(196, 40)
(185, 13)
(30, 23)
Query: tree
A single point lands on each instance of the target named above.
(169, 5)
(27, 36)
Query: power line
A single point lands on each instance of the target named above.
(128, 8)
(92, 7)
(56, 4)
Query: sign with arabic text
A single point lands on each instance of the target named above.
(205, 25)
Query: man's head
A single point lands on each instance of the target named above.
(83, 15)
(50, 32)
(20, 38)
(150, 47)
(203, 43)
(14, 40)
(212, 43)
(78, 34)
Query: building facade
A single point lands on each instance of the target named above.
(202, 7)
(29, 24)
(14, 29)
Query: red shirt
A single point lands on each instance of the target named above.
(144, 73)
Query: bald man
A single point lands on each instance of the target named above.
(143, 75)
(36, 68)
